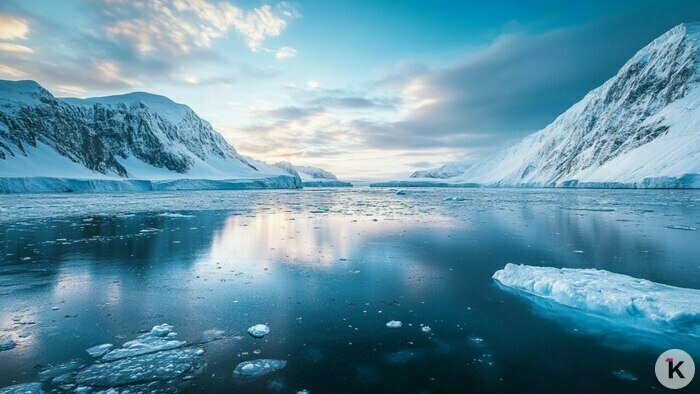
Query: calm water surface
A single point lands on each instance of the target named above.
(327, 269)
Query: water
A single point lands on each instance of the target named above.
(326, 270)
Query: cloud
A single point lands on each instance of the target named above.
(286, 53)
(15, 48)
(11, 72)
(12, 27)
(181, 26)
(516, 84)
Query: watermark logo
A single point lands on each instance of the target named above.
(675, 369)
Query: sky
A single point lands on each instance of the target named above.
(369, 90)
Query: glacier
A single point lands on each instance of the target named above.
(133, 142)
(313, 176)
(640, 129)
(624, 299)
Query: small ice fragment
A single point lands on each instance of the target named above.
(455, 199)
(578, 251)
(682, 227)
(23, 388)
(99, 350)
(394, 324)
(625, 375)
(258, 367)
(401, 193)
(476, 340)
(7, 343)
(426, 329)
(213, 335)
(259, 330)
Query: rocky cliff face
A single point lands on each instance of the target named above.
(98, 132)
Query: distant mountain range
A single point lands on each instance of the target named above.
(136, 141)
(639, 129)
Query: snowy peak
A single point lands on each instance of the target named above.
(138, 136)
(13, 93)
(639, 129)
(447, 170)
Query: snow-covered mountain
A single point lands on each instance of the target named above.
(448, 170)
(313, 176)
(136, 141)
(641, 129)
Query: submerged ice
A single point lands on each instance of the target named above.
(610, 295)
(259, 367)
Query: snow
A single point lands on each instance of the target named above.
(312, 176)
(394, 324)
(23, 388)
(99, 350)
(259, 330)
(448, 170)
(258, 367)
(608, 294)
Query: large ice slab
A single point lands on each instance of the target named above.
(259, 367)
(609, 294)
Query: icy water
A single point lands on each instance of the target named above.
(326, 270)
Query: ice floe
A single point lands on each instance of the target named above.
(6, 342)
(23, 388)
(259, 330)
(394, 324)
(99, 350)
(158, 339)
(259, 367)
(609, 294)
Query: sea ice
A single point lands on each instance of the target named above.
(426, 329)
(213, 335)
(609, 294)
(259, 367)
(394, 324)
(99, 350)
(160, 366)
(625, 375)
(61, 369)
(23, 388)
(259, 330)
(6, 342)
(159, 338)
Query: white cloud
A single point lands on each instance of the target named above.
(313, 85)
(179, 26)
(12, 72)
(109, 72)
(12, 27)
(286, 53)
(15, 48)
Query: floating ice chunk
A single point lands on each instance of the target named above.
(99, 350)
(7, 343)
(476, 340)
(259, 330)
(160, 366)
(158, 339)
(426, 329)
(259, 367)
(24, 388)
(401, 193)
(174, 215)
(56, 370)
(394, 324)
(213, 335)
(455, 199)
(682, 227)
(625, 375)
(609, 294)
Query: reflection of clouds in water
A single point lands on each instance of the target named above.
(297, 239)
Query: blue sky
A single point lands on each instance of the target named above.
(366, 89)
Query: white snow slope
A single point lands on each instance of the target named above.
(616, 296)
(640, 129)
(137, 141)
